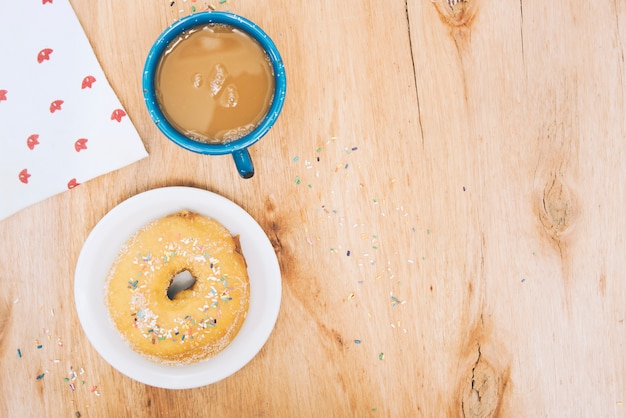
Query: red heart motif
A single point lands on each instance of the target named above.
(72, 183)
(44, 55)
(3, 95)
(80, 144)
(88, 81)
(23, 176)
(46, 1)
(117, 115)
(56, 105)
(32, 140)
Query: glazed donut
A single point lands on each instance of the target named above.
(197, 322)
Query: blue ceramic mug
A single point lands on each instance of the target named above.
(239, 147)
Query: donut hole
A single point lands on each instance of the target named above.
(181, 281)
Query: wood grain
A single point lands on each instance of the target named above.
(444, 190)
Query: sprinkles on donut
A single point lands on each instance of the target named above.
(195, 323)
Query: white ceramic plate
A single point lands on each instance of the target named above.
(103, 245)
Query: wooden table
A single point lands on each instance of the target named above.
(445, 191)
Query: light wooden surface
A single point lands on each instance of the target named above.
(445, 190)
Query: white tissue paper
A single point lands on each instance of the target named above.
(61, 123)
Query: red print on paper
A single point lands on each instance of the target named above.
(3, 95)
(80, 144)
(44, 55)
(32, 140)
(56, 105)
(46, 1)
(117, 115)
(72, 183)
(88, 81)
(23, 176)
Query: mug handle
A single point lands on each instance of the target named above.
(243, 163)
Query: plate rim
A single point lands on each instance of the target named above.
(231, 215)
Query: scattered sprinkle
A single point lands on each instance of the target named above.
(172, 4)
(41, 376)
(295, 159)
(298, 181)
(381, 356)
(357, 341)
(19, 353)
(395, 301)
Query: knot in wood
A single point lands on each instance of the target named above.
(482, 391)
(456, 13)
(557, 208)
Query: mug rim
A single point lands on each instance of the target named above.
(154, 57)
